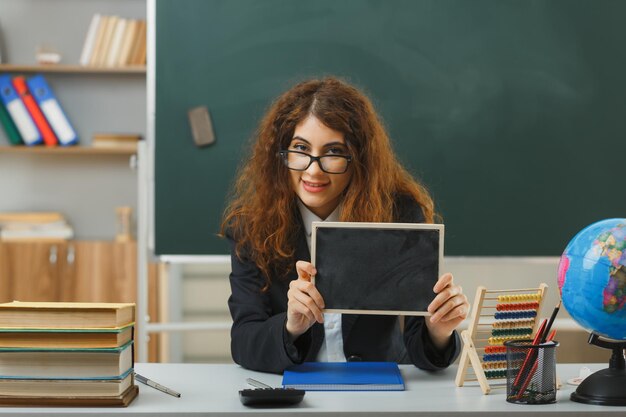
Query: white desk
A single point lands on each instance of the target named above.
(212, 390)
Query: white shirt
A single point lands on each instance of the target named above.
(332, 348)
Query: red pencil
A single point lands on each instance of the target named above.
(529, 356)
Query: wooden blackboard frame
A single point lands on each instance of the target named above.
(356, 259)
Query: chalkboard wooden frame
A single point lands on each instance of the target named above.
(346, 249)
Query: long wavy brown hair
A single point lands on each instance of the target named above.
(262, 215)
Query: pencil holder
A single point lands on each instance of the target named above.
(531, 372)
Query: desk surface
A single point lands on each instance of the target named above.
(211, 390)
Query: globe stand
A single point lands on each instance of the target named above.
(605, 387)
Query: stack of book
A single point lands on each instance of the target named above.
(123, 141)
(39, 226)
(30, 113)
(113, 41)
(67, 354)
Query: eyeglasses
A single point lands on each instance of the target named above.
(331, 164)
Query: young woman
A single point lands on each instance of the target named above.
(321, 153)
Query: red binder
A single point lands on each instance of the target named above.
(47, 134)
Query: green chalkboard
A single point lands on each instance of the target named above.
(512, 112)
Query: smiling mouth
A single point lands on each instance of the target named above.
(314, 184)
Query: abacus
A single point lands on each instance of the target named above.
(497, 316)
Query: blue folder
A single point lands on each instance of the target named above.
(51, 108)
(344, 376)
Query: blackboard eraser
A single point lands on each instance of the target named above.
(201, 126)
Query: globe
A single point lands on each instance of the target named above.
(592, 278)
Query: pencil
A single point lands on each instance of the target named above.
(155, 385)
(546, 331)
(529, 356)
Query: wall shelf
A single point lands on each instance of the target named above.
(64, 150)
(72, 69)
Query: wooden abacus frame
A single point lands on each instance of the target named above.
(480, 324)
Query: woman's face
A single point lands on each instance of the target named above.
(320, 191)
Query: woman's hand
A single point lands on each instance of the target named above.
(305, 304)
(449, 308)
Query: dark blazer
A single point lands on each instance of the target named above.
(260, 342)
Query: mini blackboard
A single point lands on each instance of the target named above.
(377, 268)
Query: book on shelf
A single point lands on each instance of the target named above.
(127, 141)
(116, 43)
(49, 138)
(43, 226)
(97, 337)
(66, 363)
(51, 108)
(107, 39)
(13, 135)
(92, 59)
(344, 376)
(50, 232)
(139, 48)
(113, 41)
(55, 315)
(127, 43)
(90, 40)
(63, 387)
(34, 111)
(30, 217)
(17, 110)
(34, 226)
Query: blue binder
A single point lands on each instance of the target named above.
(344, 376)
(16, 108)
(51, 108)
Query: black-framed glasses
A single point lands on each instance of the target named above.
(300, 161)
